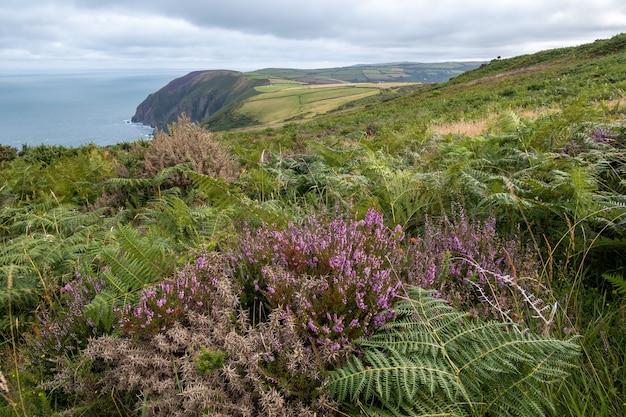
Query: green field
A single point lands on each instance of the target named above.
(282, 102)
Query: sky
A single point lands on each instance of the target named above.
(244, 35)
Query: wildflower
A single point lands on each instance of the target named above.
(349, 260)
(464, 261)
(200, 262)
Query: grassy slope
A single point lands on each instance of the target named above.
(575, 85)
(540, 82)
(283, 104)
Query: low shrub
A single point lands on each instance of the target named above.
(205, 360)
(188, 142)
(333, 274)
(64, 331)
(468, 264)
(169, 301)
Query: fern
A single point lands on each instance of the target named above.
(44, 246)
(618, 281)
(132, 262)
(229, 204)
(405, 196)
(433, 360)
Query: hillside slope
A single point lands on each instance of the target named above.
(198, 94)
(393, 72)
(154, 277)
(212, 97)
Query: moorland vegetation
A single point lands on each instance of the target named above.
(455, 250)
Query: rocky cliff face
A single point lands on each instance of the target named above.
(199, 94)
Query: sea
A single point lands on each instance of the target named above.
(75, 108)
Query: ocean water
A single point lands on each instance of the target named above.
(72, 109)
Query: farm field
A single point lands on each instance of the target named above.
(283, 102)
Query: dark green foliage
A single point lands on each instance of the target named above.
(7, 153)
(618, 281)
(229, 119)
(433, 359)
(43, 247)
(57, 174)
(45, 154)
(131, 262)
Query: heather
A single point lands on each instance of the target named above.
(334, 274)
(66, 332)
(163, 304)
(469, 264)
(205, 355)
(455, 249)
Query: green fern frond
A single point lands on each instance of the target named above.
(217, 190)
(618, 281)
(23, 291)
(45, 249)
(464, 366)
(133, 262)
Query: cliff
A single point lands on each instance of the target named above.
(200, 95)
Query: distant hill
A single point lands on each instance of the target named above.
(392, 72)
(218, 98)
(198, 94)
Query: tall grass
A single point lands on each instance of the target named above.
(598, 386)
(18, 407)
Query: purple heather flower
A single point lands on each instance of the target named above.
(200, 262)
(352, 259)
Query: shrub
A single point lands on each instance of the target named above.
(468, 264)
(58, 337)
(210, 360)
(168, 301)
(187, 142)
(7, 153)
(207, 361)
(65, 332)
(46, 154)
(334, 275)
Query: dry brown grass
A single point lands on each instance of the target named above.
(619, 107)
(487, 124)
(461, 127)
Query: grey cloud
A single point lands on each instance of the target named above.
(253, 33)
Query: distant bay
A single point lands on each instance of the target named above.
(72, 109)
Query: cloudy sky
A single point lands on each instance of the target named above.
(254, 34)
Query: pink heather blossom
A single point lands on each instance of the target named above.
(351, 260)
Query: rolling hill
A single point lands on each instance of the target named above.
(222, 99)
